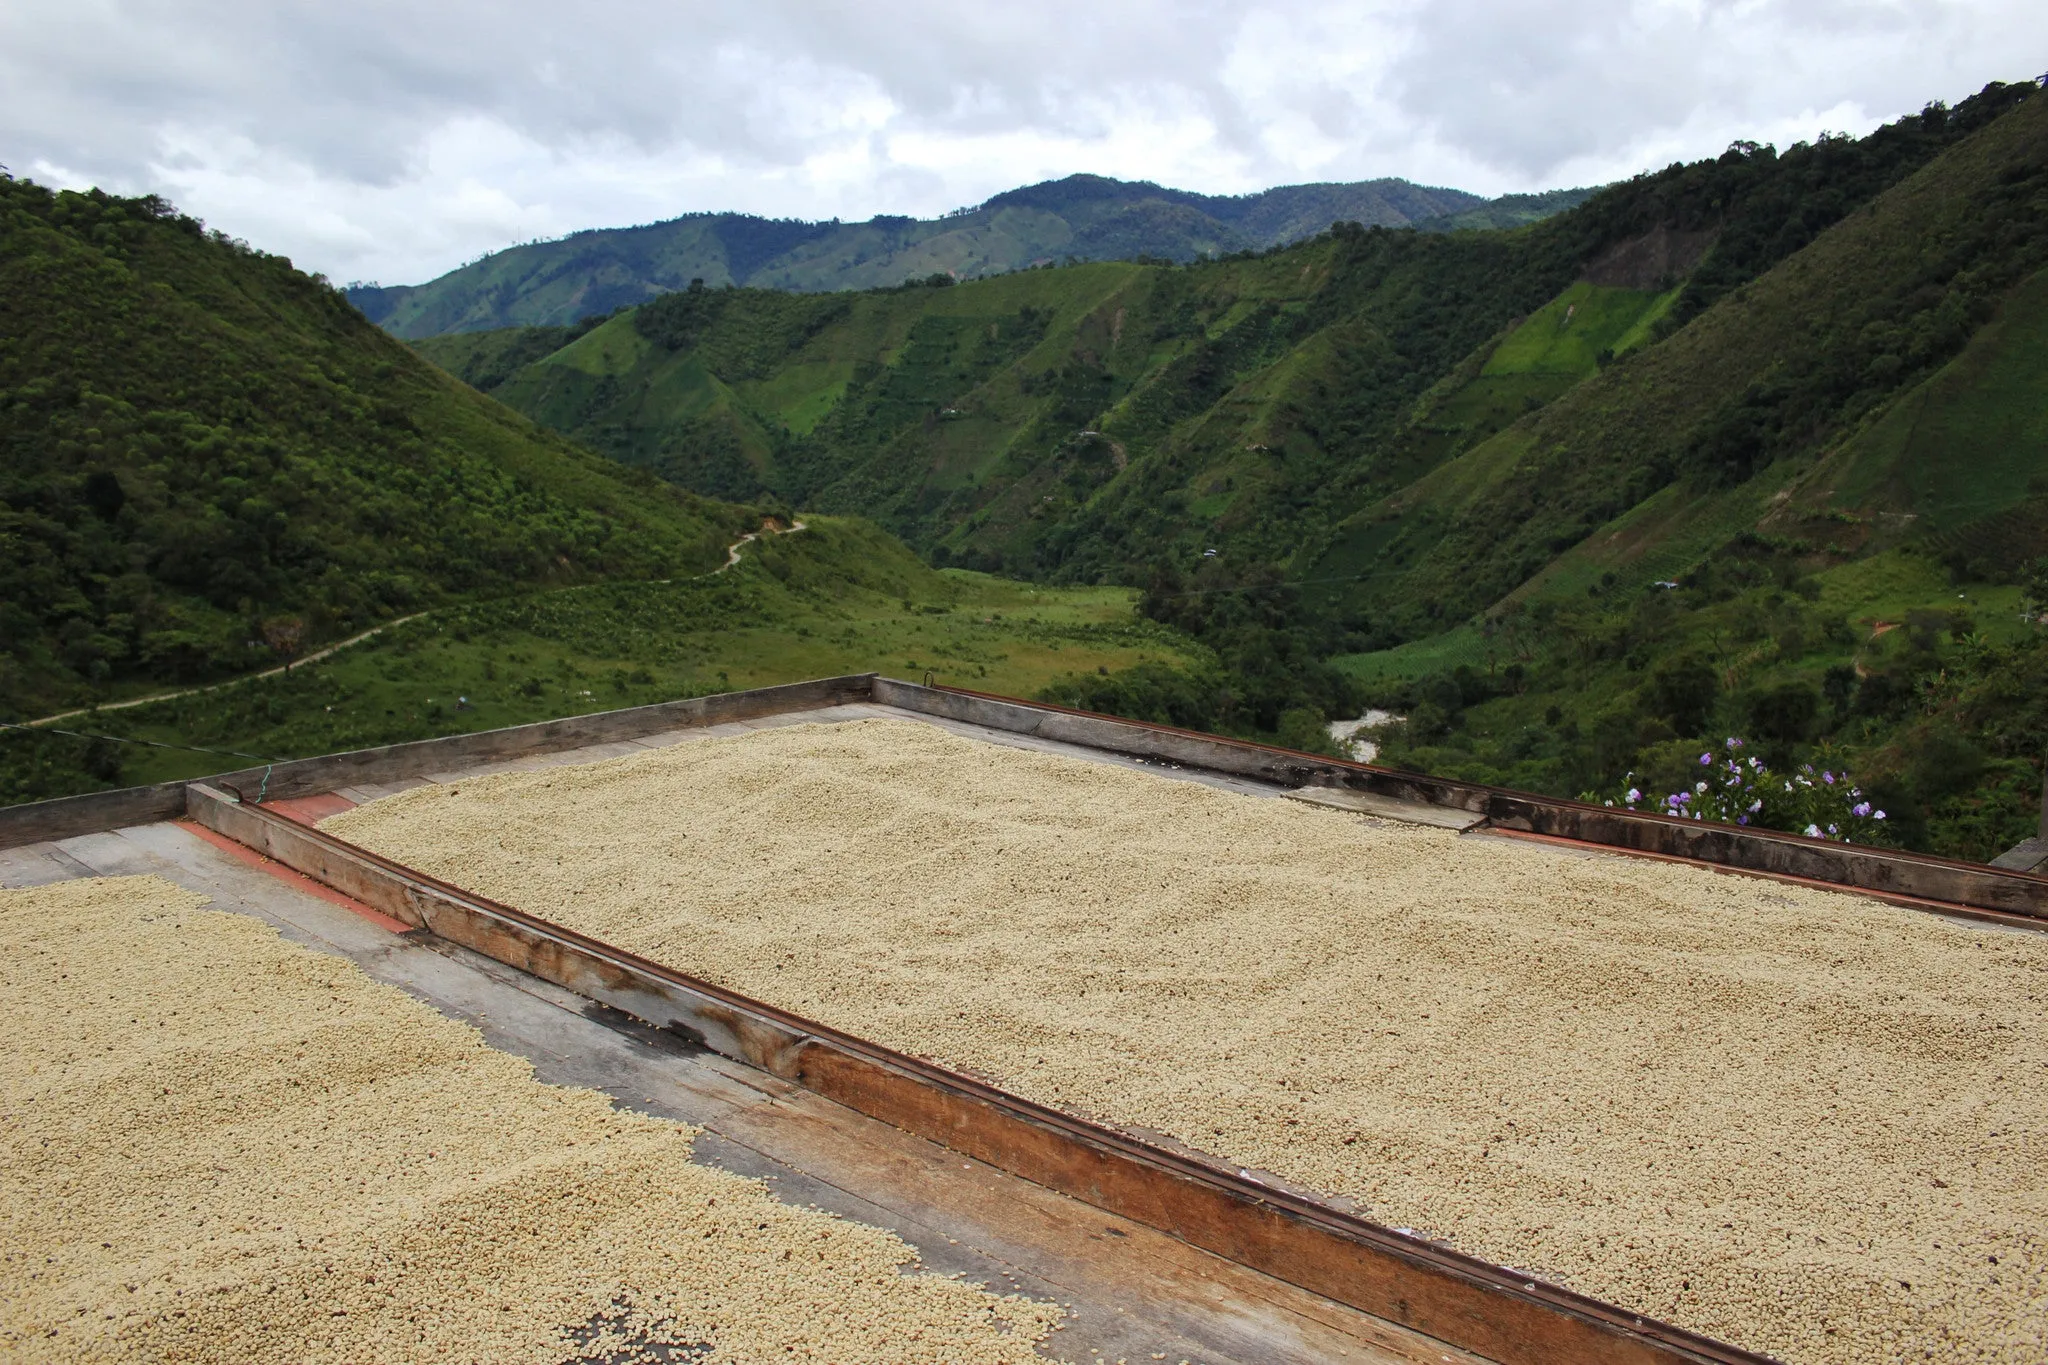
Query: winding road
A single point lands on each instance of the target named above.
(732, 557)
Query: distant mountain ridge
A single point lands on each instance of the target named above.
(1083, 217)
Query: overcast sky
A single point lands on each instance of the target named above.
(373, 139)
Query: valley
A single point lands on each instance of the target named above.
(1681, 426)
(1745, 447)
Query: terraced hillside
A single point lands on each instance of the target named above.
(1083, 217)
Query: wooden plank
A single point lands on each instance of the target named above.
(1386, 807)
(2025, 856)
(46, 821)
(1426, 1288)
(38, 822)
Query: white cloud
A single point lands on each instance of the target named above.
(386, 140)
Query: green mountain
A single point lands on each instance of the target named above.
(1084, 217)
(1412, 464)
(209, 460)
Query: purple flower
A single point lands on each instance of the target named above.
(1734, 743)
(1634, 795)
(1742, 819)
(1755, 806)
(1828, 778)
(1877, 815)
(1813, 831)
(1862, 808)
(1705, 759)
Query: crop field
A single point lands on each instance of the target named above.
(1567, 335)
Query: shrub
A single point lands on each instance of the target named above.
(1734, 789)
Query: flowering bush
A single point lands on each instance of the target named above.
(1738, 790)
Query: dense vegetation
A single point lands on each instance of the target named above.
(1083, 217)
(838, 597)
(1937, 699)
(1355, 465)
(208, 461)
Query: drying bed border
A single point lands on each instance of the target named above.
(1488, 1309)
(1922, 880)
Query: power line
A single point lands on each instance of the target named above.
(124, 739)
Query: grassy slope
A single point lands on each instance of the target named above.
(839, 597)
(1964, 445)
(951, 414)
(196, 439)
(1568, 479)
(1855, 599)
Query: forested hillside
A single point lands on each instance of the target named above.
(209, 460)
(1083, 217)
(1361, 464)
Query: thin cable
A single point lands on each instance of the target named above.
(123, 739)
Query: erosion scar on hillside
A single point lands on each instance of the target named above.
(1805, 1122)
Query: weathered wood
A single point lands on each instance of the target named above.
(1893, 872)
(1387, 807)
(41, 821)
(63, 817)
(1483, 1308)
(2024, 856)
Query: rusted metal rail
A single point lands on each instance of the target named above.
(1469, 1303)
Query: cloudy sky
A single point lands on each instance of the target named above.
(374, 139)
